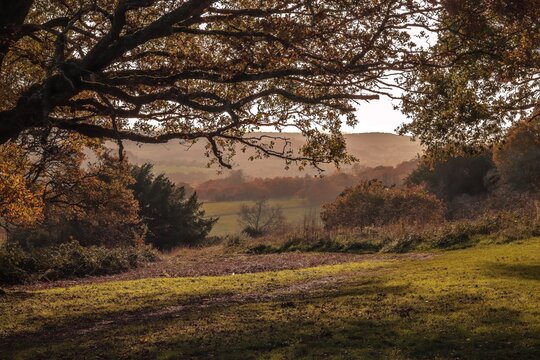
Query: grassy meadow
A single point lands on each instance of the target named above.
(481, 302)
(294, 211)
(390, 151)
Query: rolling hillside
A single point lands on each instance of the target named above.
(188, 165)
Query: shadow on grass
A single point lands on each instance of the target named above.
(520, 271)
(64, 328)
(15, 297)
(361, 321)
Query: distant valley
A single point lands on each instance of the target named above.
(189, 165)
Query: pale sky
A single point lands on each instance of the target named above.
(377, 116)
(374, 116)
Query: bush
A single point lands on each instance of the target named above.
(14, 263)
(451, 178)
(344, 242)
(518, 159)
(252, 232)
(498, 227)
(69, 260)
(171, 218)
(373, 204)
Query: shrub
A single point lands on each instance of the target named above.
(499, 227)
(518, 159)
(502, 226)
(234, 240)
(171, 218)
(373, 204)
(345, 242)
(252, 232)
(14, 263)
(455, 176)
(69, 260)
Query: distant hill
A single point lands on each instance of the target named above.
(188, 165)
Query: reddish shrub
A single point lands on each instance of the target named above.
(373, 204)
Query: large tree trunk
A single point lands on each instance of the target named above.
(12, 14)
(9, 126)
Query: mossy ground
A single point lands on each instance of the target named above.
(477, 303)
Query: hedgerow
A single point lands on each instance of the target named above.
(68, 260)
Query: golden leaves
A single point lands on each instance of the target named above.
(19, 204)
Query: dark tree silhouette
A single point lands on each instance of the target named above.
(154, 70)
(172, 219)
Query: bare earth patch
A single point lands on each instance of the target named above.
(204, 262)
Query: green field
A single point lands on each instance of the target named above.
(476, 303)
(294, 210)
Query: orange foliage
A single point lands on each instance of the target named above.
(373, 204)
(314, 189)
(67, 186)
(18, 203)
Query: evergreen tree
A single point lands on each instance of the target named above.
(172, 220)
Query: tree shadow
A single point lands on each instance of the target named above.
(63, 329)
(520, 271)
(370, 320)
(15, 297)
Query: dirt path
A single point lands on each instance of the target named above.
(196, 263)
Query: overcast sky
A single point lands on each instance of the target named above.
(377, 116)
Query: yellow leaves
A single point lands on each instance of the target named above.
(523, 51)
(18, 203)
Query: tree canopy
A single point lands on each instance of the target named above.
(518, 159)
(66, 186)
(157, 70)
(488, 79)
(217, 70)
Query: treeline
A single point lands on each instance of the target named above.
(316, 190)
(502, 179)
(447, 202)
(70, 207)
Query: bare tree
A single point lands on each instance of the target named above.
(260, 218)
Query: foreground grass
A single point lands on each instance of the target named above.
(479, 303)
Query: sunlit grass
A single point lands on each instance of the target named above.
(476, 303)
(32, 311)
